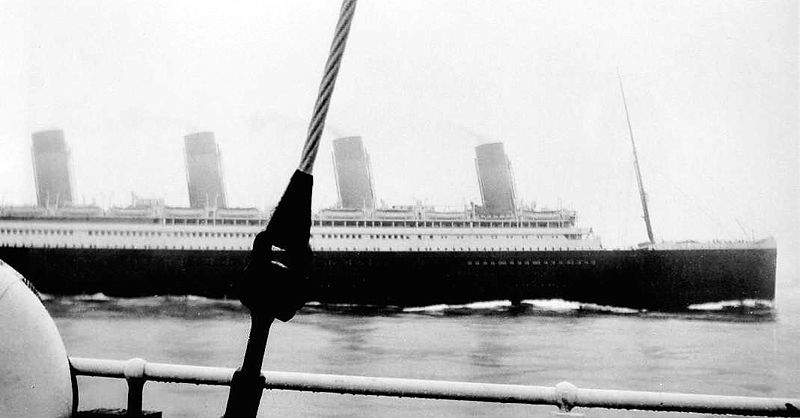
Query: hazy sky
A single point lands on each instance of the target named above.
(712, 87)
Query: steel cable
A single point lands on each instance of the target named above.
(326, 87)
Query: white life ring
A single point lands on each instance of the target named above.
(34, 370)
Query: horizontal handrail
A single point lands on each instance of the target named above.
(564, 395)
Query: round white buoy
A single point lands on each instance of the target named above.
(34, 370)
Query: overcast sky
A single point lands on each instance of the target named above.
(712, 88)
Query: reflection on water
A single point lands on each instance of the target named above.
(740, 352)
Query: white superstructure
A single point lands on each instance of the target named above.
(397, 229)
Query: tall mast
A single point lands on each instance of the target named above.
(642, 194)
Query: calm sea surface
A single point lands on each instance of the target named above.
(733, 354)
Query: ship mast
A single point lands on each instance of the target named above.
(642, 194)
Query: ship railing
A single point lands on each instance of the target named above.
(564, 395)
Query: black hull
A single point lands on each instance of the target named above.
(667, 280)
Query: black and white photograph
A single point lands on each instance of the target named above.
(361, 208)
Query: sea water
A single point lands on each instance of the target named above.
(747, 352)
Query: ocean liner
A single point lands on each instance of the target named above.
(396, 256)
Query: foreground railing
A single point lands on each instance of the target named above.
(564, 395)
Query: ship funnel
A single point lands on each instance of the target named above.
(51, 168)
(353, 175)
(495, 180)
(204, 171)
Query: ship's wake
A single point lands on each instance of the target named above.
(734, 305)
(201, 307)
(554, 306)
(189, 306)
(491, 305)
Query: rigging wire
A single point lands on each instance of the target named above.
(326, 87)
(642, 193)
(744, 207)
(700, 206)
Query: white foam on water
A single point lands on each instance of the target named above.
(606, 308)
(489, 304)
(728, 304)
(195, 298)
(350, 305)
(431, 308)
(559, 305)
(483, 305)
(95, 297)
(201, 300)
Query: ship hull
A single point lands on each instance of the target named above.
(667, 280)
